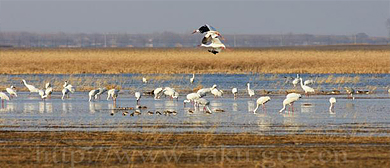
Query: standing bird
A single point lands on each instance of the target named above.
(308, 82)
(113, 93)
(205, 103)
(157, 93)
(92, 94)
(48, 89)
(235, 91)
(307, 89)
(3, 97)
(42, 94)
(31, 88)
(137, 96)
(68, 88)
(168, 91)
(250, 91)
(191, 98)
(217, 93)
(332, 101)
(11, 91)
(144, 80)
(192, 79)
(261, 101)
(290, 99)
(296, 81)
(101, 91)
(202, 92)
(350, 92)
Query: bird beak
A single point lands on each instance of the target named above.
(193, 32)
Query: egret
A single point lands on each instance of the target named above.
(192, 79)
(261, 101)
(290, 99)
(137, 96)
(31, 88)
(250, 91)
(296, 81)
(112, 93)
(307, 89)
(11, 91)
(235, 91)
(332, 101)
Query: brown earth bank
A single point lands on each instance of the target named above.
(314, 59)
(133, 149)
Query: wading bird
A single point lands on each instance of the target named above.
(3, 97)
(92, 94)
(296, 81)
(112, 93)
(11, 91)
(250, 91)
(31, 88)
(290, 99)
(157, 93)
(192, 79)
(137, 96)
(191, 97)
(217, 93)
(203, 102)
(202, 92)
(350, 92)
(261, 101)
(235, 91)
(48, 89)
(332, 101)
(307, 89)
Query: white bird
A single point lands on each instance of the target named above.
(3, 97)
(308, 82)
(11, 91)
(261, 101)
(191, 97)
(332, 101)
(235, 91)
(250, 91)
(350, 92)
(69, 87)
(168, 91)
(92, 94)
(216, 92)
(113, 93)
(31, 88)
(296, 81)
(211, 36)
(42, 94)
(65, 92)
(157, 93)
(144, 80)
(290, 99)
(192, 79)
(48, 89)
(101, 91)
(307, 89)
(205, 103)
(204, 91)
(137, 96)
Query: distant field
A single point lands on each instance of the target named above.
(323, 59)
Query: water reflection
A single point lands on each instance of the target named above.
(67, 107)
(49, 107)
(307, 108)
(235, 107)
(92, 108)
(29, 107)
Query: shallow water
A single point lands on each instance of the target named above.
(366, 115)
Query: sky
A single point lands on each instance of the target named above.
(322, 17)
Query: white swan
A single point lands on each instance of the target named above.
(261, 101)
(144, 80)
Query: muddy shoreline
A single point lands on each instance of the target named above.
(191, 149)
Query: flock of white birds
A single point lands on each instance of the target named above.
(197, 98)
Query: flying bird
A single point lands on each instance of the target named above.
(211, 39)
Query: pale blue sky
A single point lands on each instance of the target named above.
(241, 17)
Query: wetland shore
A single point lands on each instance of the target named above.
(117, 148)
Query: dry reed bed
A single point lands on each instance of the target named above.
(169, 61)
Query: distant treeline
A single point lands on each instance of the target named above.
(168, 39)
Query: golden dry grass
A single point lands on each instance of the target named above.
(169, 61)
